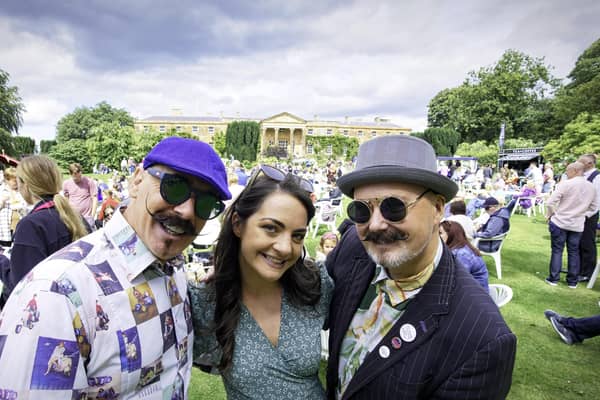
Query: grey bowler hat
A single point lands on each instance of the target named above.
(397, 158)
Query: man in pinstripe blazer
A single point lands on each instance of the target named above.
(406, 320)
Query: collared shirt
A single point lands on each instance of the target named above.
(81, 195)
(570, 202)
(382, 305)
(596, 183)
(101, 317)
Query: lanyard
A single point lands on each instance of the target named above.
(48, 204)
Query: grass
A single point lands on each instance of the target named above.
(546, 368)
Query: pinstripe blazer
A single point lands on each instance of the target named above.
(463, 348)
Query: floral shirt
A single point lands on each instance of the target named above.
(98, 319)
(382, 305)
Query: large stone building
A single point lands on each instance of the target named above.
(285, 130)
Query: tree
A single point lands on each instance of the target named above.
(80, 123)
(11, 106)
(72, 151)
(242, 139)
(23, 145)
(582, 94)
(580, 136)
(443, 140)
(6, 143)
(144, 142)
(503, 93)
(110, 143)
(46, 145)
(220, 143)
(487, 154)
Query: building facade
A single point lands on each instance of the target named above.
(284, 130)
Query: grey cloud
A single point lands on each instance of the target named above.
(124, 35)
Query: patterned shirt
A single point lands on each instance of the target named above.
(98, 319)
(382, 305)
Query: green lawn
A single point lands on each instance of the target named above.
(546, 368)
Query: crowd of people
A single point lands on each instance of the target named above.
(98, 303)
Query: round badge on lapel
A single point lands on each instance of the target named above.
(384, 351)
(408, 333)
(396, 342)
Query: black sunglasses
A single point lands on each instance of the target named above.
(175, 190)
(278, 175)
(392, 208)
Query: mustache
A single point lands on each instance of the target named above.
(187, 227)
(389, 236)
(173, 220)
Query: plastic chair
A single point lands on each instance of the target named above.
(528, 211)
(501, 294)
(337, 204)
(325, 215)
(594, 276)
(494, 254)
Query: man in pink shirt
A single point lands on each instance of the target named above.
(82, 193)
(565, 211)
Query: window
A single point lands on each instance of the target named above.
(309, 148)
(310, 132)
(329, 131)
(329, 149)
(195, 129)
(373, 133)
(345, 132)
(387, 133)
(360, 133)
(162, 128)
(211, 130)
(283, 144)
(178, 128)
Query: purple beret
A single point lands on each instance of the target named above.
(191, 157)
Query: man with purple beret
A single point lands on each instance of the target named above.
(111, 312)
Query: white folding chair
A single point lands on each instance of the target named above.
(337, 204)
(501, 294)
(325, 215)
(494, 254)
(594, 276)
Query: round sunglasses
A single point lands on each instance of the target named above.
(392, 209)
(175, 190)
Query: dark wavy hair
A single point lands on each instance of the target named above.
(457, 237)
(301, 282)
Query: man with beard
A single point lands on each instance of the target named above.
(405, 320)
(181, 185)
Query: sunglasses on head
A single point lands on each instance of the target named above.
(392, 209)
(175, 190)
(278, 175)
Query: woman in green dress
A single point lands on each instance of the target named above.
(258, 320)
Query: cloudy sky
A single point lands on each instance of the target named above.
(356, 58)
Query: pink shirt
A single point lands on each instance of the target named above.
(81, 195)
(570, 201)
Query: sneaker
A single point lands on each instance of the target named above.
(551, 283)
(552, 313)
(572, 285)
(583, 278)
(562, 331)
